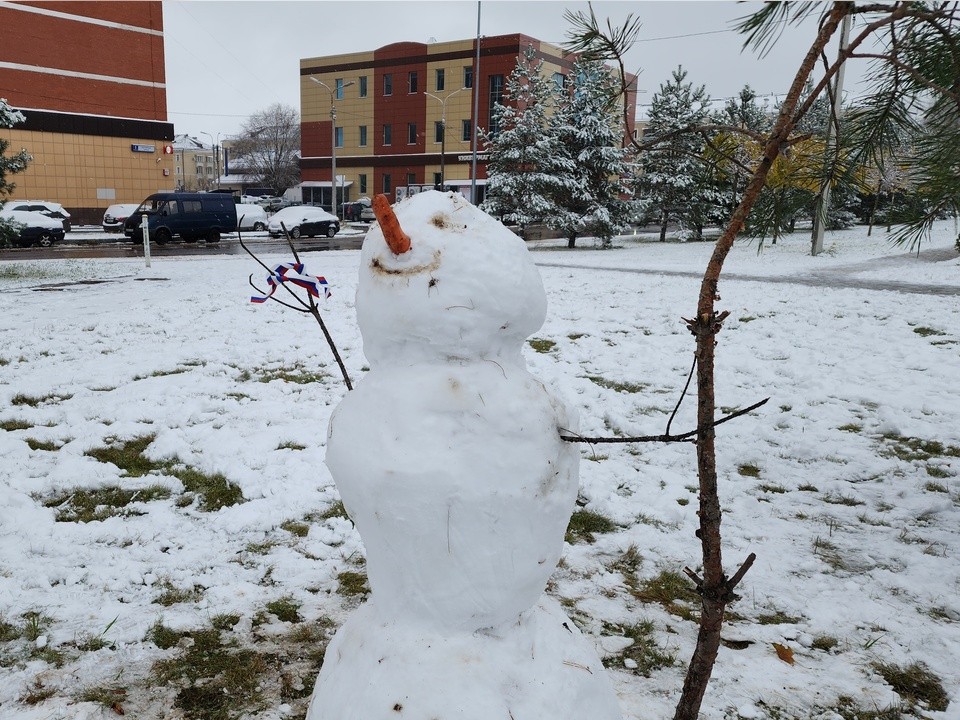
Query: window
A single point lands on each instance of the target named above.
(437, 179)
(190, 206)
(438, 131)
(411, 133)
(363, 183)
(363, 136)
(496, 98)
(170, 208)
(363, 85)
(339, 88)
(439, 79)
(388, 84)
(468, 76)
(387, 135)
(411, 179)
(338, 137)
(560, 80)
(466, 134)
(411, 82)
(386, 182)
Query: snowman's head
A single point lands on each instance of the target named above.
(464, 288)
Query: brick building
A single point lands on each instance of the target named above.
(89, 78)
(390, 104)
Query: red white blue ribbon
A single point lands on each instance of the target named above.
(294, 273)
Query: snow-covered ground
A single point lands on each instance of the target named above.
(846, 484)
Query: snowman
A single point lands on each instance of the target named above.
(449, 460)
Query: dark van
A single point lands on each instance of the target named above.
(190, 216)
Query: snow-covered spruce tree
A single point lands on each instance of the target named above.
(526, 167)
(672, 179)
(593, 198)
(11, 164)
(738, 152)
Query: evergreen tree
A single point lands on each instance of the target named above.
(527, 167)
(9, 164)
(673, 171)
(590, 130)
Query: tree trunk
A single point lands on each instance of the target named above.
(572, 241)
(663, 226)
(715, 589)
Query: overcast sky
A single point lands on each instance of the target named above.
(227, 59)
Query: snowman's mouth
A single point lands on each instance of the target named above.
(378, 266)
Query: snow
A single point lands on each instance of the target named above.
(856, 533)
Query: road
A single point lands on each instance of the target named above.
(91, 243)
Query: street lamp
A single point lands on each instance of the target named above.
(333, 142)
(443, 130)
(216, 154)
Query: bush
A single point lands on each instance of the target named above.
(9, 232)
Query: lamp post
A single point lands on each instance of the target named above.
(216, 154)
(333, 142)
(443, 130)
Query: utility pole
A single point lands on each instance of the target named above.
(822, 205)
(333, 142)
(476, 113)
(443, 131)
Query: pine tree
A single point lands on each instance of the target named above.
(673, 171)
(590, 129)
(526, 166)
(11, 164)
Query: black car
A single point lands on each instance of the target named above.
(35, 228)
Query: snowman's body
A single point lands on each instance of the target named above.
(448, 458)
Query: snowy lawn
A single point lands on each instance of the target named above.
(172, 545)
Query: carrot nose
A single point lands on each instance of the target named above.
(396, 238)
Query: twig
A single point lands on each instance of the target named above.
(688, 436)
(682, 395)
(307, 307)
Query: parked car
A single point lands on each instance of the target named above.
(35, 228)
(50, 209)
(251, 217)
(278, 204)
(191, 216)
(116, 215)
(303, 220)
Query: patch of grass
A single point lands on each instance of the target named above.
(9, 631)
(261, 548)
(352, 583)
(621, 387)
(290, 445)
(627, 565)
(824, 643)
(807, 487)
(296, 375)
(644, 656)
(915, 683)
(336, 510)
(286, 609)
(931, 486)
(215, 680)
(749, 470)
(224, 621)
(682, 502)
(585, 523)
(80, 505)
(46, 445)
(37, 694)
(847, 708)
(575, 336)
(34, 625)
(35, 400)
(746, 318)
(11, 425)
(215, 490)
(128, 456)
(300, 529)
(775, 489)
(110, 696)
(162, 636)
(923, 331)
(829, 553)
(777, 618)
(851, 428)
(913, 448)
(937, 472)
(671, 590)
(541, 345)
(172, 595)
(842, 500)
